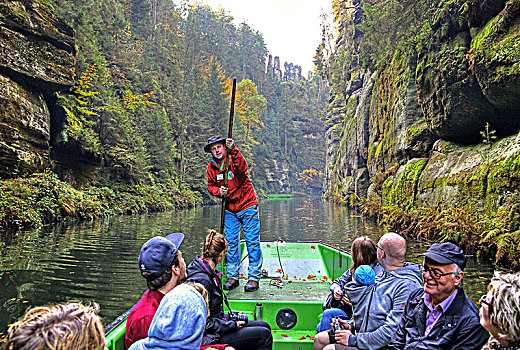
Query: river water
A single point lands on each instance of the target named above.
(97, 261)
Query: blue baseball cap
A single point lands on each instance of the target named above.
(446, 253)
(158, 253)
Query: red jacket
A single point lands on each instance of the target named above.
(241, 194)
(140, 318)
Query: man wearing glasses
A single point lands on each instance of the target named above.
(440, 315)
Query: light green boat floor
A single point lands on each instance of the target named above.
(294, 291)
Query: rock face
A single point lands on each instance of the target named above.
(420, 129)
(36, 60)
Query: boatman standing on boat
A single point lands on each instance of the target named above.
(241, 209)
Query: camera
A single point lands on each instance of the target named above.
(235, 316)
(336, 326)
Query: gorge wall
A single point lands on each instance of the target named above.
(37, 56)
(434, 123)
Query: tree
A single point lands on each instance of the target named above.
(248, 107)
(306, 177)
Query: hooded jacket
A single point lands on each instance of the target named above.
(340, 282)
(387, 300)
(178, 323)
(457, 328)
(359, 296)
(241, 193)
(200, 272)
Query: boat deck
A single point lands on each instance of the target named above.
(288, 291)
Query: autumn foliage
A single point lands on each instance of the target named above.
(306, 177)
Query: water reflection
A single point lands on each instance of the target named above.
(97, 261)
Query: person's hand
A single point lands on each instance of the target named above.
(344, 323)
(240, 324)
(342, 336)
(223, 191)
(337, 294)
(230, 143)
(346, 300)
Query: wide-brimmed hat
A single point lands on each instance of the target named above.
(446, 253)
(212, 140)
(158, 253)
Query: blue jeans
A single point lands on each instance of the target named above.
(250, 222)
(327, 317)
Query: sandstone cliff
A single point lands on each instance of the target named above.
(436, 121)
(36, 60)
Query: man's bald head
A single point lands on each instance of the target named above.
(394, 246)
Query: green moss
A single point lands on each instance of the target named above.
(402, 191)
(48, 4)
(415, 130)
(478, 42)
(377, 153)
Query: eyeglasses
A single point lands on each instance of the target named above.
(434, 273)
(378, 247)
(483, 301)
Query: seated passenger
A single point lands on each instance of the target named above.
(363, 252)
(500, 312)
(388, 297)
(359, 294)
(68, 326)
(440, 315)
(238, 334)
(163, 267)
(178, 323)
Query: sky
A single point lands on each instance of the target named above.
(291, 28)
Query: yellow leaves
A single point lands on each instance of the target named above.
(213, 66)
(85, 82)
(248, 106)
(128, 31)
(306, 177)
(132, 102)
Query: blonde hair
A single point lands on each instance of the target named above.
(214, 245)
(200, 288)
(505, 313)
(71, 326)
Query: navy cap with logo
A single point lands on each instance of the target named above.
(158, 253)
(212, 140)
(446, 253)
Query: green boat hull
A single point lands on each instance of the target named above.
(299, 276)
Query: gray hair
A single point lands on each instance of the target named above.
(506, 306)
(456, 271)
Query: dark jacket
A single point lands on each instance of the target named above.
(200, 272)
(241, 194)
(457, 328)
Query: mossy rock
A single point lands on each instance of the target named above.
(37, 17)
(495, 56)
(24, 130)
(449, 94)
(402, 188)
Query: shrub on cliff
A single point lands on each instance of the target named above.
(44, 198)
